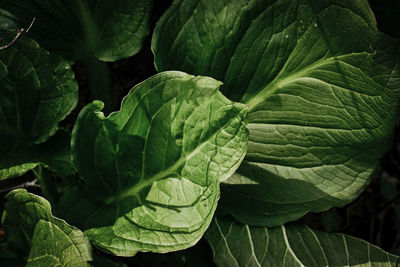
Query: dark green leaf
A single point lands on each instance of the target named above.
(37, 90)
(322, 86)
(45, 239)
(110, 30)
(240, 245)
(7, 21)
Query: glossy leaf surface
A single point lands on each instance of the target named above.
(322, 86)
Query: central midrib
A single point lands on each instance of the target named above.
(134, 190)
(281, 80)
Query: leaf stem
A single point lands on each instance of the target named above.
(48, 188)
(99, 82)
(18, 35)
(97, 71)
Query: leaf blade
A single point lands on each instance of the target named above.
(107, 30)
(37, 91)
(30, 226)
(156, 164)
(236, 244)
(319, 101)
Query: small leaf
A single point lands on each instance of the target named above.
(152, 170)
(240, 245)
(37, 90)
(45, 239)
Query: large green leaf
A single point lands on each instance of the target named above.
(45, 239)
(240, 245)
(322, 87)
(37, 90)
(152, 170)
(111, 30)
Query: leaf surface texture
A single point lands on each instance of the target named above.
(239, 245)
(37, 90)
(45, 239)
(322, 88)
(152, 170)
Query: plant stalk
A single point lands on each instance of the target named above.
(97, 70)
(47, 186)
(99, 82)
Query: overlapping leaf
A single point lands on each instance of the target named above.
(45, 239)
(111, 30)
(37, 90)
(152, 170)
(322, 86)
(240, 245)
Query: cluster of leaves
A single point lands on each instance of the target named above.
(278, 107)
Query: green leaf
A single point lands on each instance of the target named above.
(110, 30)
(55, 153)
(7, 21)
(152, 170)
(37, 90)
(45, 239)
(236, 244)
(322, 88)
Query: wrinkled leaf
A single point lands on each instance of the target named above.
(240, 245)
(322, 87)
(37, 90)
(152, 170)
(110, 30)
(45, 239)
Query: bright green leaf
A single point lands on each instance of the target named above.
(240, 245)
(322, 87)
(110, 30)
(152, 170)
(37, 90)
(45, 239)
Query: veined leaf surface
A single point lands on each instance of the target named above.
(152, 170)
(322, 87)
(46, 240)
(239, 245)
(111, 30)
(37, 90)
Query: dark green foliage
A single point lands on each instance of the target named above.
(278, 107)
